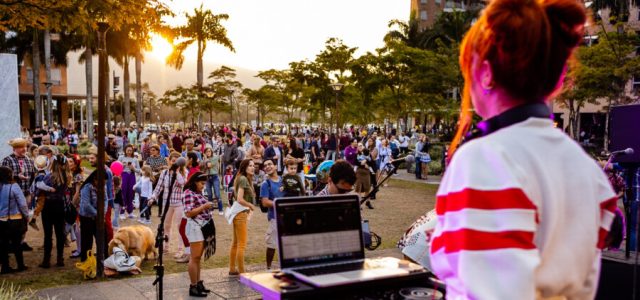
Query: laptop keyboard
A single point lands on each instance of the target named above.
(338, 268)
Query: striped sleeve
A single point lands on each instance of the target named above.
(483, 245)
(608, 203)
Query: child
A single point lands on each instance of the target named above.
(117, 202)
(227, 182)
(291, 183)
(146, 190)
(38, 185)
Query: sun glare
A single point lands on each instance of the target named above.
(161, 48)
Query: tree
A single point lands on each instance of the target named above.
(224, 86)
(201, 27)
(183, 98)
(601, 75)
(449, 28)
(408, 33)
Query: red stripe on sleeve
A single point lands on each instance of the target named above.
(512, 198)
(468, 239)
(602, 235)
(610, 205)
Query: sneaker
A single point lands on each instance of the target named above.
(221, 213)
(141, 221)
(132, 216)
(183, 259)
(146, 222)
(123, 217)
(178, 254)
(33, 224)
(75, 254)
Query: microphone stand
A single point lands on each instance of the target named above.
(391, 169)
(160, 240)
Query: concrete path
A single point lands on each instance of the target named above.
(176, 286)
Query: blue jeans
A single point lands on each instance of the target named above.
(116, 215)
(213, 181)
(143, 204)
(418, 169)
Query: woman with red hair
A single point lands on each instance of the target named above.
(522, 209)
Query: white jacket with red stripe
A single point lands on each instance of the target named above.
(521, 210)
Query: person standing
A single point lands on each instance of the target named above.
(211, 167)
(230, 152)
(177, 141)
(178, 173)
(351, 153)
(53, 212)
(23, 170)
(245, 196)
(274, 152)
(270, 190)
(508, 198)
(131, 168)
(13, 213)
(198, 210)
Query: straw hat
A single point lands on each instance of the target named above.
(93, 150)
(18, 142)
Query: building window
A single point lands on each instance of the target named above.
(29, 75)
(438, 2)
(55, 76)
(636, 84)
(423, 15)
(423, 1)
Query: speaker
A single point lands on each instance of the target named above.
(617, 278)
(624, 129)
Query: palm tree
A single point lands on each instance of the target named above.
(408, 33)
(201, 27)
(449, 28)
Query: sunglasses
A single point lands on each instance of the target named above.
(343, 191)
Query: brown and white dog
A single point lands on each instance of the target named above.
(137, 240)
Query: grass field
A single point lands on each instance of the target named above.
(397, 206)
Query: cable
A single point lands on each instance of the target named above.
(376, 240)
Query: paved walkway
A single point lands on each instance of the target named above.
(175, 285)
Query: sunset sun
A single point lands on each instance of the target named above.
(160, 47)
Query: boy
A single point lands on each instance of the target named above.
(291, 182)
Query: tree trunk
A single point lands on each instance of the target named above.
(47, 69)
(125, 91)
(138, 89)
(88, 69)
(35, 56)
(200, 71)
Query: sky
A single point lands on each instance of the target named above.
(266, 34)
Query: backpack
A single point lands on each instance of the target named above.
(395, 151)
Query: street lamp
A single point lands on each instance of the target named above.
(337, 87)
(116, 85)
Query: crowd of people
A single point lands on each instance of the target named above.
(44, 179)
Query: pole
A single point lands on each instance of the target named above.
(48, 83)
(81, 118)
(103, 94)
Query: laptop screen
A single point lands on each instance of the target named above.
(314, 230)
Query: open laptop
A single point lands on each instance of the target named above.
(320, 242)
